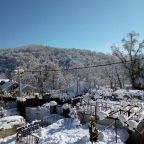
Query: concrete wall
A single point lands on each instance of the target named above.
(36, 113)
(59, 110)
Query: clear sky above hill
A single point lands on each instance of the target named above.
(86, 24)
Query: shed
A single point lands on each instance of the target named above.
(27, 90)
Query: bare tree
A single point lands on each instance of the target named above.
(131, 51)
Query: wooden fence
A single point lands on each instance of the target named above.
(25, 134)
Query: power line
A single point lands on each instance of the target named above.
(84, 67)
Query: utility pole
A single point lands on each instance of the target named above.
(19, 72)
(41, 83)
(19, 77)
(53, 80)
(77, 90)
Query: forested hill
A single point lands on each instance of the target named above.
(36, 56)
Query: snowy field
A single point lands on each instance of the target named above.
(65, 132)
(8, 140)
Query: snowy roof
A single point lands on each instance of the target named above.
(36, 94)
(108, 102)
(7, 85)
(53, 103)
(53, 93)
(5, 80)
(10, 121)
(65, 106)
(21, 99)
(122, 92)
(46, 105)
(23, 86)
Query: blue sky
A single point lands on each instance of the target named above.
(86, 24)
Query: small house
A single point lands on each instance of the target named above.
(26, 90)
(8, 86)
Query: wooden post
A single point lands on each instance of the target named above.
(116, 130)
(96, 111)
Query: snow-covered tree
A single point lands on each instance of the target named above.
(130, 55)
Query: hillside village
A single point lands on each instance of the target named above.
(70, 96)
(33, 115)
(71, 72)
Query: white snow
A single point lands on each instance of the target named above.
(21, 99)
(8, 140)
(124, 104)
(78, 104)
(115, 108)
(53, 103)
(69, 131)
(63, 132)
(102, 115)
(135, 109)
(64, 95)
(130, 93)
(10, 121)
(140, 115)
(132, 123)
(36, 94)
(46, 105)
(140, 104)
(65, 106)
(5, 80)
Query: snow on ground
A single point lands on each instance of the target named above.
(10, 121)
(8, 140)
(108, 102)
(122, 92)
(64, 132)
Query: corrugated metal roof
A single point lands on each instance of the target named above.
(5, 80)
(6, 85)
(22, 87)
